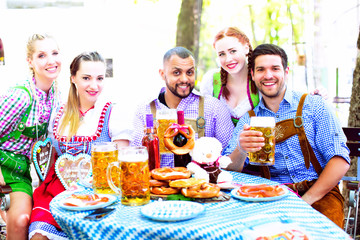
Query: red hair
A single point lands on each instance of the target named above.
(243, 39)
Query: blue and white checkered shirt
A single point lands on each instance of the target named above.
(217, 116)
(322, 129)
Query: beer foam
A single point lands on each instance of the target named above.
(262, 122)
(133, 158)
(104, 148)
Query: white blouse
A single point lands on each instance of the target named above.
(120, 123)
(207, 88)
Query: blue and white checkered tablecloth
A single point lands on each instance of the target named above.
(221, 220)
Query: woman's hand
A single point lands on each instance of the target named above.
(250, 140)
(321, 91)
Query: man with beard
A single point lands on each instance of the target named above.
(312, 163)
(207, 115)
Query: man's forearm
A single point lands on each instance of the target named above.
(334, 170)
(238, 159)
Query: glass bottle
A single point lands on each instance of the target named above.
(180, 140)
(151, 142)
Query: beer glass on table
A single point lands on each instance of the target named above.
(134, 176)
(266, 155)
(164, 119)
(102, 154)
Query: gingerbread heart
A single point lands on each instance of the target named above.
(40, 156)
(67, 168)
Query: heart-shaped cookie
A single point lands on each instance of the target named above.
(40, 156)
(67, 168)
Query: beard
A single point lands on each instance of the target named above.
(275, 94)
(177, 90)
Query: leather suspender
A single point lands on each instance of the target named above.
(22, 124)
(200, 121)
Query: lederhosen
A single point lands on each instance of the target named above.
(16, 167)
(197, 124)
(331, 205)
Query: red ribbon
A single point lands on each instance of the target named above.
(178, 126)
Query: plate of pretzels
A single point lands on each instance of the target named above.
(167, 181)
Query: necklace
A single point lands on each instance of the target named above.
(82, 114)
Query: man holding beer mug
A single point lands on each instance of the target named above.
(311, 163)
(207, 115)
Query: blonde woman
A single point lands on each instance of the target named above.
(82, 121)
(24, 114)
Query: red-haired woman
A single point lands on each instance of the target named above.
(232, 84)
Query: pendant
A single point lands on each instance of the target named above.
(68, 170)
(41, 152)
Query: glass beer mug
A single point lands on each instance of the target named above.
(102, 153)
(134, 176)
(164, 119)
(266, 155)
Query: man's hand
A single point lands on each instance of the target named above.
(334, 170)
(251, 140)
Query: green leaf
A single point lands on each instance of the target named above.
(178, 197)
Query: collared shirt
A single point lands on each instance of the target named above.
(218, 122)
(322, 129)
(13, 105)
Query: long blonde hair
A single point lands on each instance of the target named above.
(72, 107)
(30, 49)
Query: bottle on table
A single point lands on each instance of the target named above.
(151, 142)
(180, 140)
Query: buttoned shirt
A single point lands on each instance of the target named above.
(13, 104)
(322, 129)
(218, 122)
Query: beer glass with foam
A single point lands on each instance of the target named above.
(134, 176)
(102, 153)
(164, 119)
(266, 155)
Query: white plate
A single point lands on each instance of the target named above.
(228, 185)
(112, 199)
(263, 199)
(172, 210)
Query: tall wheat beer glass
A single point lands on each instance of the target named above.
(134, 176)
(266, 156)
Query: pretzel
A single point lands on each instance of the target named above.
(174, 130)
(167, 173)
(260, 191)
(164, 190)
(184, 183)
(158, 183)
(205, 190)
